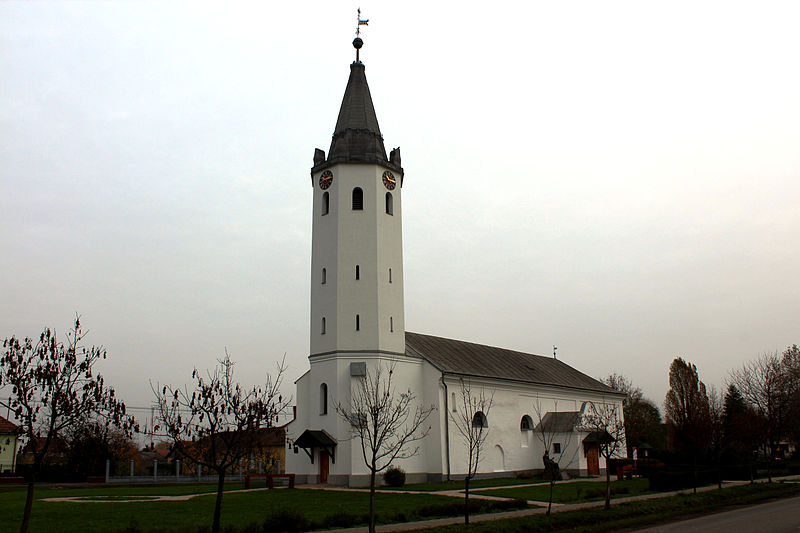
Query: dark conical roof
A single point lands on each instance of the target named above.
(357, 137)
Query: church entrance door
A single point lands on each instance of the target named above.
(323, 466)
(593, 460)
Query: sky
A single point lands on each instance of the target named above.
(619, 179)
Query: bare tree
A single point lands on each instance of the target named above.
(642, 417)
(790, 361)
(470, 418)
(716, 413)
(620, 383)
(382, 421)
(548, 427)
(605, 422)
(217, 422)
(761, 383)
(53, 388)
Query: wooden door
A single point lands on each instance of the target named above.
(593, 460)
(323, 466)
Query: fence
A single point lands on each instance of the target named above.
(171, 473)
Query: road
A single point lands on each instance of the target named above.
(781, 516)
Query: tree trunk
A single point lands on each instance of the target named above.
(218, 506)
(466, 500)
(608, 485)
(550, 501)
(769, 462)
(26, 516)
(694, 471)
(372, 500)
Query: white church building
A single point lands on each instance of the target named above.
(357, 323)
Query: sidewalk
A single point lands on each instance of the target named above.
(557, 508)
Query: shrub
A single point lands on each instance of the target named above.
(594, 493)
(343, 520)
(286, 521)
(394, 477)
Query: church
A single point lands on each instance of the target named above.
(357, 325)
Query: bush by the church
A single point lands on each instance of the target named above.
(286, 521)
(394, 477)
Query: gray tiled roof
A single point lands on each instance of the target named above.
(559, 422)
(469, 359)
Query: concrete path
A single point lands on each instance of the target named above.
(139, 499)
(557, 508)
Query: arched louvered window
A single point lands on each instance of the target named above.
(358, 199)
(526, 424)
(479, 420)
(326, 203)
(389, 204)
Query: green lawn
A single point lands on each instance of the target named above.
(238, 509)
(475, 483)
(573, 492)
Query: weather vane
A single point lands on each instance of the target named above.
(357, 42)
(361, 22)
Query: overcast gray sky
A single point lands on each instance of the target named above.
(621, 179)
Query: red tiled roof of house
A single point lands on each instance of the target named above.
(8, 428)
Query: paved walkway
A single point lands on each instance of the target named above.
(557, 508)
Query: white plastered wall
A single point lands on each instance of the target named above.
(369, 238)
(509, 449)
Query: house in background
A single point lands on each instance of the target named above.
(9, 437)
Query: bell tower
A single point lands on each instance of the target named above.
(357, 242)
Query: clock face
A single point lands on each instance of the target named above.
(325, 180)
(389, 181)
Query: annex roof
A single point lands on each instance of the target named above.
(559, 422)
(470, 359)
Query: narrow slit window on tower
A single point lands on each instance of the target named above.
(389, 204)
(324, 276)
(390, 275)
(323, 325)
(326, 203)
(358, 272)
(323, 399)
(358, 323)
(391, 325)
(358, 199)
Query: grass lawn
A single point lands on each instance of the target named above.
(636, 514)
(238, 509)
(578, 491)
(475, 483)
